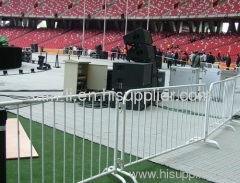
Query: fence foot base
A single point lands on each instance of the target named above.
(230, 126)
(129, 175)
(119, 177)
(208, 141)
(194, 139)
(235, 121)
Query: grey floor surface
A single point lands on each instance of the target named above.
(199, 159)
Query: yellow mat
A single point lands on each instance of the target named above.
(12, 141)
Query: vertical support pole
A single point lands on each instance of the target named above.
(3, 119)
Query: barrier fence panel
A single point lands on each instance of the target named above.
(74, 140)
(220, 104)
(236, 102)
(165, 119)
(77, 137)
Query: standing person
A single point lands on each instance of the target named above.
(191, 56)
(112, 53)
(219, 57)
(238, 60)
(169, 58)
(78, 53)
(210, 58)
(119, 52)
(204, 57)
(228, 60)
(196, 60)
(176, 57)
(184, 58)
(124, 53)
(74, 50)
(159, 53)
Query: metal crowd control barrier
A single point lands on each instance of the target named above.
(164, 120)
(236, 102)
(219, 105)
(154, 121)
(77, 159)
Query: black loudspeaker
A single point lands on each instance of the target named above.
(159, 61)
(41, 60)
(138, 36)
(141, 53)
(122, 16)
(103, 55)
(11, 57)
(126, 76)
(55, 15)
(34, 48)
(131, 75)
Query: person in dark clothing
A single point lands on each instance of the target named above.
(80, 51)
(176, 57)
(219, 57)
(169, 57)
(228, 60)
(159, 53)
(196, 60)
(113, 53)
(193, 57)
(119, 52)
(210, 58)
(184, 58)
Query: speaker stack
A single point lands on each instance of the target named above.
(142, 50)
(141, 73)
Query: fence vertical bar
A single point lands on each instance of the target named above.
(43, 144)
(3, 161)
(208, 98)
(233, 96)
(116, 137)
(123, 107)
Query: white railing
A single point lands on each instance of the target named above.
(172, 118)
(219, 105)
(92, 119)
(236, 102)
(146, 123)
